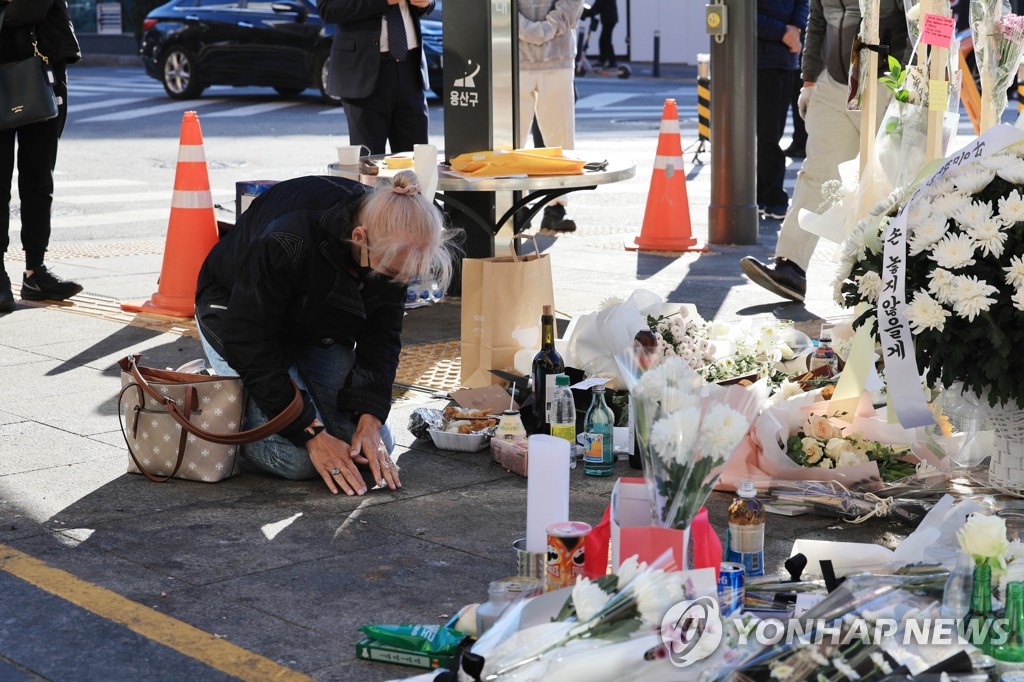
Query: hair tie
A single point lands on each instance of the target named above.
(407, 190)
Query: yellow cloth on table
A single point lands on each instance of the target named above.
(542, 161)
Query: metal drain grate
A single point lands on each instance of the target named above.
(426, 367)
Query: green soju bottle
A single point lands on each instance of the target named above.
(978, 624)
(1009, 654)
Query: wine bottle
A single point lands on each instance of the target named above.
(546, 363)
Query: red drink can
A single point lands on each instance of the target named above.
(565, 554)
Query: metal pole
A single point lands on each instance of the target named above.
(732, 214)
(656, 70)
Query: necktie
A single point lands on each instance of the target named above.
(398, 45)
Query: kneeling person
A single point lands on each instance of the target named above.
(310, 287)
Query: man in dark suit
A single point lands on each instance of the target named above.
(375, 70)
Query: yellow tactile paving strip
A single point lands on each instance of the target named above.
(202, 646)
(426, 366)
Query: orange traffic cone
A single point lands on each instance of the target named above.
(191, 230)
(667, 217)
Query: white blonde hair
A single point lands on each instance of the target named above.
(398, 218)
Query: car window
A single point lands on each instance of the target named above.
(261, 6)
(214, 4)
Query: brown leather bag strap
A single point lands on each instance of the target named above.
(135, 429)
(286, 417)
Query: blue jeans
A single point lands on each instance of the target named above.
(321, 373)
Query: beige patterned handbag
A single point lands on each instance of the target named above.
(184, 425)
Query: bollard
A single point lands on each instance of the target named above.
(703, 103)
(656, 70)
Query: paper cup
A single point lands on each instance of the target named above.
(348, 154)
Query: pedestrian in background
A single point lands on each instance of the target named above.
(28, 24)
(797, 148)
(376, 60)
(309, 286)
(780, 25)
(547, 62)
(607, 11)
(833, 131)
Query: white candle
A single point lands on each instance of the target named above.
(425, 166)
(547, 488)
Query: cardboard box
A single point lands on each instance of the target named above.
(510, 455)
(631, 529)
(372, 650)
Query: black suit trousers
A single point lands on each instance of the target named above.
(395, 112)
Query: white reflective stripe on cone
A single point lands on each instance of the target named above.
(663, 162)
(191, 152)
(197, 199)
(669, 125)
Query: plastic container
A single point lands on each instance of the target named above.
(461, 442)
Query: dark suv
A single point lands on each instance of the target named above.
(189, 45)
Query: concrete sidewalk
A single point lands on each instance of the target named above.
(284, 570)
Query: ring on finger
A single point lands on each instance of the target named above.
(335, 471)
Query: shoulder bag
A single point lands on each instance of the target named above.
(184, 425)
(26, 88)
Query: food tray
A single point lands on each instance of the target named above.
(462, 442)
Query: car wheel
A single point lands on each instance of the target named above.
(321, 73)
(179, 74)
(288, 92)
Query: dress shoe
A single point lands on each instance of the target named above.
(795, 152)
(6, 295)
(784, 278)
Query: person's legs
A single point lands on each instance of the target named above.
(556, 119)
(409, 118)
(773, 87)
(605, 43)
(528, 83)
(369, 118)
(320, 372)
(833, 137)
(6, 177)
(797, 149)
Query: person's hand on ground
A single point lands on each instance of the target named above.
(332, 460)
(368, 448)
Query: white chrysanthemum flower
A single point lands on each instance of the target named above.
(878, 658)
(989, 237)
(939, 187)
(588, 598)
(924, 312)
(940, 285)
(656, 592)
(1015, 273)
(853, 246)
(1013, 172)
(678, 399)
(1018, 299)
(876, 228)
(722, 430)
(973, 213)
(1011, 207)
(869, 286)
(918, 211)
(953, 251)
(972, 296)
(781, 671)
(976, 179)
(926, 233)
(674, 436)
(629, 569)
(995, 161)
(611, 301)
(948, 204)
(845, 669)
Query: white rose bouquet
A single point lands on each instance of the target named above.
(821, 443)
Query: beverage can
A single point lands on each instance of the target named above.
(522, 587)
(730, 588)
(565, 554)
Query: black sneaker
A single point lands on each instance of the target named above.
(554, 219)
(6, 295)
(43, 285)
(784, 278)
(775, 212)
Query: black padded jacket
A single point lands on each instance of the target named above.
(282, 280)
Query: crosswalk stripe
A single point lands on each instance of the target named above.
(101, 182)
(116, 217)
(107, 103)
(252, 109)
(163, 196)
(158, 109)
(601, 99)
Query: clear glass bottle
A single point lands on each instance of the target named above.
(546, 362)
(978, 622)
(563, 411)
(599, 424)
(487, 614)
(744, 540)
(1010, 654)
(956, 596)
